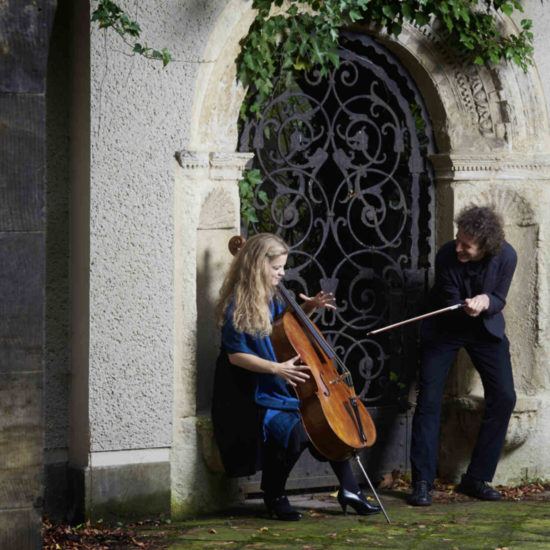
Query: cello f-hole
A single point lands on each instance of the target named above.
(325, 390)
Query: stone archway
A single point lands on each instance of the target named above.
(492, 135)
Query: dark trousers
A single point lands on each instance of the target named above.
(491, 358)
(277, 463)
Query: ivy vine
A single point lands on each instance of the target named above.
(289, 37)
(247, 191)
(300, 35)
(110, 15)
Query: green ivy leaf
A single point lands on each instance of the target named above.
(396, 29)
(389, 11)
(508, 9)
(109, 15)
(421, 19)
(294, 41)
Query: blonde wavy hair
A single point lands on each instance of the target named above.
(248, 287)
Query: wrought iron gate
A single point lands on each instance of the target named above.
(344, 169)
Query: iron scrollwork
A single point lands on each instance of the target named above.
(349, 188)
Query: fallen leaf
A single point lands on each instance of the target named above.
(387, 481)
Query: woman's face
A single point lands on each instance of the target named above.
(275, 269)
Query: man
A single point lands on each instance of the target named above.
(475, 269)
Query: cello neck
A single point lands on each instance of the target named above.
(305, 321)
(311, 328)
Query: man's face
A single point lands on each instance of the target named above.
(467, 249)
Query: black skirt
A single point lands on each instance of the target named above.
(236, 417)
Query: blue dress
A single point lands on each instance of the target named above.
(271, 392)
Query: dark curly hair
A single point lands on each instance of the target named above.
(485, 225)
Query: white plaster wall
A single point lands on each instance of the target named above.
(140, 116)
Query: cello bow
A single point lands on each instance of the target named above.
(418, 318)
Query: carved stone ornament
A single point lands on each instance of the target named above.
(454, 167)
(522, 423)
(215, 213)
(193, 160)
(472, 89)
(221, 165)
(469, 411)
(514, 209)
(225, 166)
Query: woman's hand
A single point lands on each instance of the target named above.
(292, 372)
(321, 299)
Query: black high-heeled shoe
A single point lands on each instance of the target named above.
(358, 502)
(281, 508)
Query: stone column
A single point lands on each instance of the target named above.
(25, 28)
(519, 187)
(207, 215)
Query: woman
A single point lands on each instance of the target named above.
(256, 419)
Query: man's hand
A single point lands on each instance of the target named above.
(474, 306)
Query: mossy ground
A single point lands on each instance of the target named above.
(467, 524)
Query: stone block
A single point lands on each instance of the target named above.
(24, 33)
(20, 530)
(22, 290)
(21, 440)
(22, 162)
(122, 491)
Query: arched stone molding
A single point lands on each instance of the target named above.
(207, 214)
(218, 96)
(473, 108)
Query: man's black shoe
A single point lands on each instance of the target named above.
(421, 494)
(476, 488)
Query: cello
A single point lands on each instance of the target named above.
(336, 421)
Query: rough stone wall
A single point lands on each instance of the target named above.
(539, 13)
(24, 33)
(522, 195)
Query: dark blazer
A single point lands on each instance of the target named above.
(455, 281)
